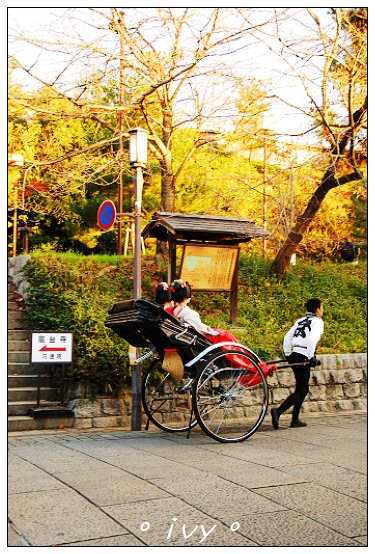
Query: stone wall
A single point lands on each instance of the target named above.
(338, 384)
(99, 411)
(15, 270)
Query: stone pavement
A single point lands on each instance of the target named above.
(291, 487)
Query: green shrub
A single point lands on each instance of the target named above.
(72, 292)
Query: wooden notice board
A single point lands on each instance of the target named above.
(210, 268)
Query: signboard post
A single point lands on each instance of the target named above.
(49, 347)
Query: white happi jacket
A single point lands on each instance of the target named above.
(304, 335)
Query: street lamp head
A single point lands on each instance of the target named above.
(138, 147)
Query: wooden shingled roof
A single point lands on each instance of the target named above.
(202, 228)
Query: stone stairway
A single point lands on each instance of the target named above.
(23, 376)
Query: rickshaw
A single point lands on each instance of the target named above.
(221, 387)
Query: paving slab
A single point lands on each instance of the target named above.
(334, 428)
(362, 540)
(292, 487)
(24, 477)
(339, 512)
(294, 443)
(140, 463)
(110, 485)
(335, 477)
(175, 523)
(56, 517)
(165, 448)
(118, 540)
(54, 458)
(14, 539)
(246, 473)
(270, 530)
(218, 497)
(262, 454)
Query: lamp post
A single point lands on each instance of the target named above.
(138, 160)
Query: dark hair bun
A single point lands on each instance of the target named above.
(162, 293)
(180, 290)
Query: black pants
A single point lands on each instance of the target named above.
(302, 375)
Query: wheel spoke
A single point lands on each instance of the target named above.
(166, 400)
(228, 407)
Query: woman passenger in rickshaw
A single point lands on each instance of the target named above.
(181, 295)
(163, 296)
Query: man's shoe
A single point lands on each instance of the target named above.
(298, 423)
(275, 418)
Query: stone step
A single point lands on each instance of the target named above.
(21, 368)
(19, 334)
(16, 323)
(21, 423)
(19, 408)
(18, 345)
(21, 394)
(16, 298)
(19, 357)
(23, 377)
(22, 381)
(27, 423)
(15, 315)
(14, 306)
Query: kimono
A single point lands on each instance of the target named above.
(190, 317)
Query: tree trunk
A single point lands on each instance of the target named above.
(167, 203)
(281, 263)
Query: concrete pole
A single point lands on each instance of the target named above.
(137, 292)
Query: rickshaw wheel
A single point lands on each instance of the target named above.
(166, 400)
(230, 396)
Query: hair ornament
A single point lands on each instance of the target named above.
(162, 285)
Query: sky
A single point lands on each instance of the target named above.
(31, 19)
(262, 64)
(281, 120)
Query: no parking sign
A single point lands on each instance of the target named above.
(106, 215)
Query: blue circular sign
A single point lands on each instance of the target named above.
(106, 215)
